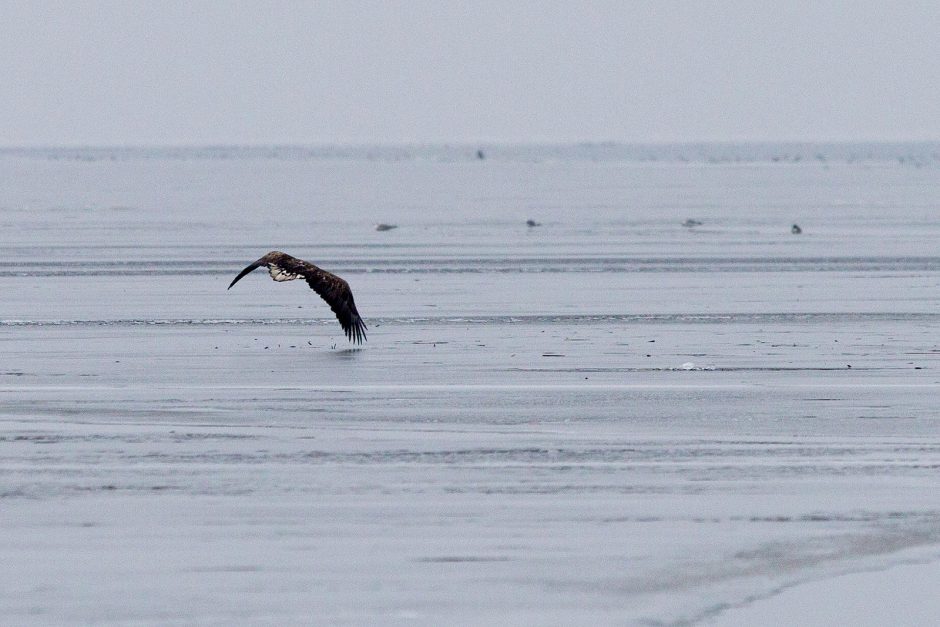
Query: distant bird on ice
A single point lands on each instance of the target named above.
(795, 229)
(334, 290)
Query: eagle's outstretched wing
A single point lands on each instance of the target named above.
(331, 288)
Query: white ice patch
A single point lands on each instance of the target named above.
(280, 274)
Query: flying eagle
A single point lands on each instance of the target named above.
(334, 290)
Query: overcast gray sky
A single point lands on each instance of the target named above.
(191, 72)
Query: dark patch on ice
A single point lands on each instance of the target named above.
(840, 517)
(136, 438)
(234, 568)
(35, 439)
(182, 437)
(632, 519)
(458, 559)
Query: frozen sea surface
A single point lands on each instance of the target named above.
(607, 418)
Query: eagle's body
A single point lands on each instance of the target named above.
(334, 290)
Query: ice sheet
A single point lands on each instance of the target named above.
(609, 417)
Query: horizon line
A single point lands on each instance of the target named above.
(468, 143)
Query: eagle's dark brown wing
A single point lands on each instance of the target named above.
(331, 288)
(335, 291)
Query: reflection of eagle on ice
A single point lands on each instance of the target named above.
(334, 290)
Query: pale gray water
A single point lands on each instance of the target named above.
(609, 417)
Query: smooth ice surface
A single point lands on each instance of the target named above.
(609, 417)
(904, 594)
